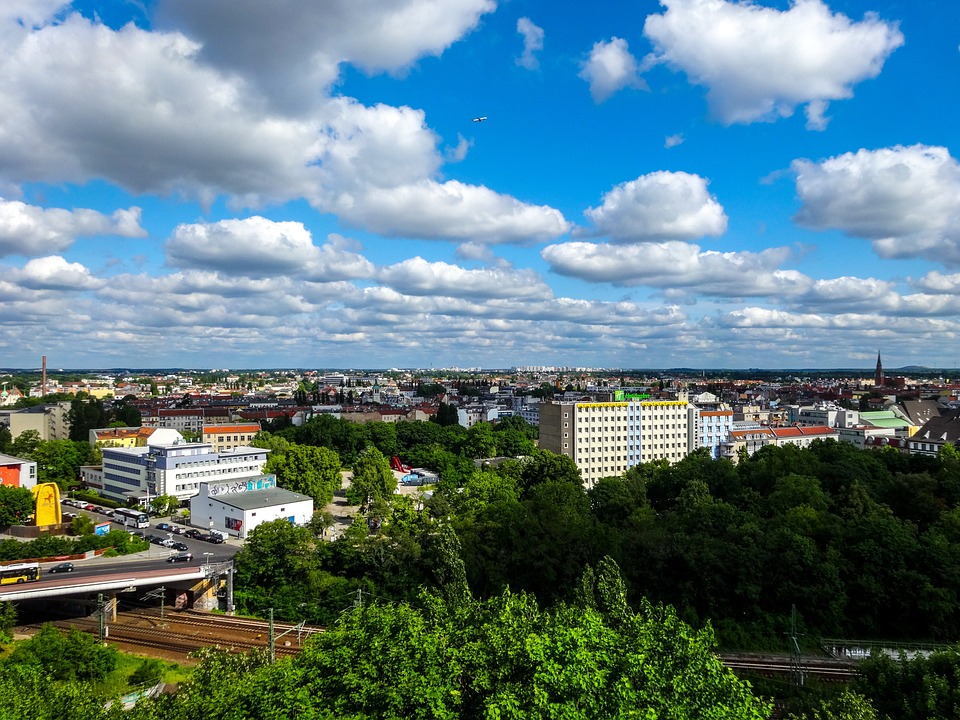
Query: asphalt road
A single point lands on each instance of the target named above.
(201, 549)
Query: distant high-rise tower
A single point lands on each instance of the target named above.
(879, 380)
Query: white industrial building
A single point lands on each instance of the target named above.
(236, 508)
(175, 469)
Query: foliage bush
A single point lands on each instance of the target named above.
(66, 656)
(47, 546)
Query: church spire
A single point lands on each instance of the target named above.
(878, 378)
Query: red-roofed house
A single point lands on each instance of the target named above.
(754, 439)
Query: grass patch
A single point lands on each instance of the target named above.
(118, 681)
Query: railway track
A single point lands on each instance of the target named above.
(180, 634)
(825, 669)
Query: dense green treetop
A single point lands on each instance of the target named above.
(313, 471)
(372, 479)
(16, 505)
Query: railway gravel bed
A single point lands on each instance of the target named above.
(176, 635)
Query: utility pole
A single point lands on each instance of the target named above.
(273, 651)
(299, 628)
(796, 664)
(160, 592)
(100, 620)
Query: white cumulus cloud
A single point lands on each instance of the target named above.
(610, 68)
(32, 230)
(145, 111)
(532, 43)
(55, 273)
(678, 265)
(450, 211)
(417, 276)
(760, 63)
(659, 206)
(259, 247)
(292, 49)
(904, 199)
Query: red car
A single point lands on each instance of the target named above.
(89, 507)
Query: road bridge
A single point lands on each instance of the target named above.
(188, 585)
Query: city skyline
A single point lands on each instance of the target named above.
(676, 184)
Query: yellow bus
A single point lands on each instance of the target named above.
(19, 573)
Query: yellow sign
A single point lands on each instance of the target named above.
(603, 405)
(46, 497)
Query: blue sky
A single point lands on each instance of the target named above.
(701, 183)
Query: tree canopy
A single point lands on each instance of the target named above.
(313, 471)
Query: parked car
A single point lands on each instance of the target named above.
(89, 507)
(193, 533)
(98, 509)
(176, 530)
(69, 516)
(215, 539)
(167, 542)
(182, 547)
(180, 557)
(155, 539)
(62, 567)
(166, 527)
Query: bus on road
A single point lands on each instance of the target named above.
(19, 573)
(131, 517)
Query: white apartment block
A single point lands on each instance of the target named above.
(177, 470)
(605, 439)
(713, 427)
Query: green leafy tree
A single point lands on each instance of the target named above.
(24, 444)
(383, 436)
(372, 479)
(276, 444)
(846, 706)
(148, 672)
(922, 688)
(313, 471)
(71, 656)
(59, 461)
(513, 443)
(446, 414)
(415, 434)
(6, 439)
(164, 504)
(126, 412)
(82, 525)
(480, 442)
(544, 466)
(518, 424)
(8, 620)
(505, 658)
(84, 416)
(321, 522)
(16, 505)
(26, 691)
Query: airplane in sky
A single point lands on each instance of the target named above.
(480, 119)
